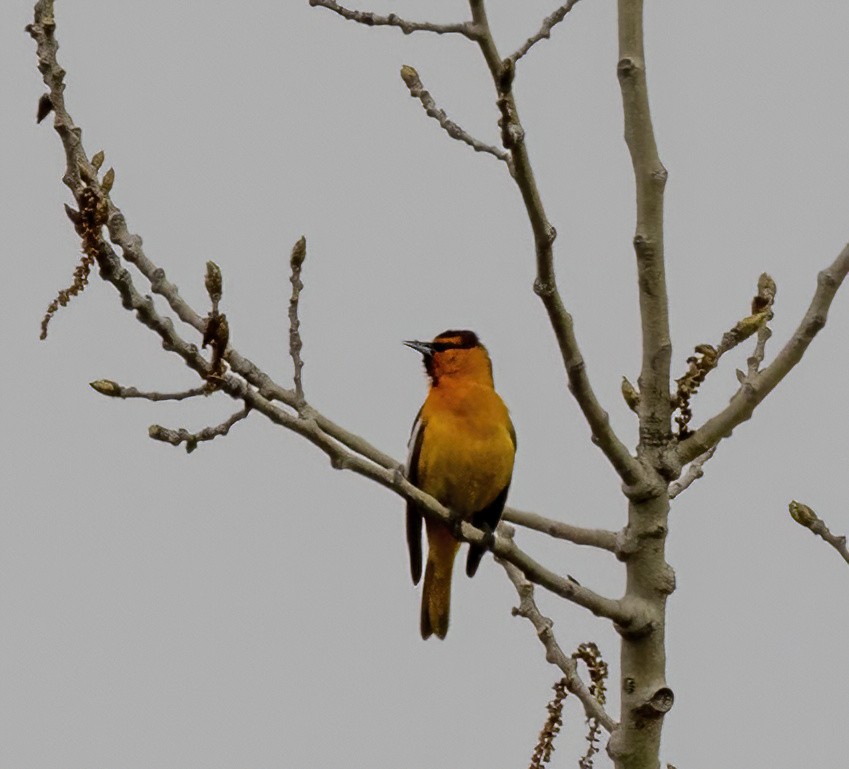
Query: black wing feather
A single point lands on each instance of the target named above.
(414, 516)
(487, 519)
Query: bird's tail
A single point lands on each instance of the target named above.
(436, 593)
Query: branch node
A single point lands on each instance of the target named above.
(544, 289)
(659, 704)
(625, 68)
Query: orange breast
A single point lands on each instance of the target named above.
(467, 450)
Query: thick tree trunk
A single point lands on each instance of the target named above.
(645, 696)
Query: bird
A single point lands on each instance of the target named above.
(461, 451)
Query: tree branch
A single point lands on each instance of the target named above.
(655, 410)
(804, 516)
(114, 390)
(417, 91)
(600, 538)
(370, 19)
(553, 653)
(694, 472)
(545, 31)
(176, 437)
(252, 386)
(755, 388)
(545, 285)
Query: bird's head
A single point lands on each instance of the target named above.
(455, 355)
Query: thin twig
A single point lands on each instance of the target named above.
(804, 516)
(754, 390)
(553, 653)
(176, 437)
(114, 390)
(600, 538)
(296, 262)
(693, 473)
(545, 30)
(370, 19)
(762, 302)
(417, 91)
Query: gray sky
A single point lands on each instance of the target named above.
(247, 606)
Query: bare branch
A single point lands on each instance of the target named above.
(553, 653)
(804, 516)
(600, 538)
(545, 30)
(693, 473)
(650, 178)
(296, 261)
(114, 390)
(370, 19)
(417, 90)
(753, 391)
(252, 386)
(628, 467)
(176, 437)
(507, 550)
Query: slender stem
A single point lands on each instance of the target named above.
(176, 437)
(370, 19)
(600, 538)
(804, 516)
(545, 30)
(417, 91)
(694, 472)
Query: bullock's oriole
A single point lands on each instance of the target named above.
(461, 452)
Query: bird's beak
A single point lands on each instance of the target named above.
(425, 348)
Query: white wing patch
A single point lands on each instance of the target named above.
(418, 426)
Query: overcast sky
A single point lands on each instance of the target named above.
(248, 606)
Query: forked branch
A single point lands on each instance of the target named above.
(756, 387)
(513, 138)
(553, 652)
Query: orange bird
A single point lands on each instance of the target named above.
(461, 452)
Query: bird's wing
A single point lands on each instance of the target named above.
(414, 516)
(488, 518)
